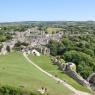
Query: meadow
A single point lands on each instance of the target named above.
(53, 30)
(16, 71)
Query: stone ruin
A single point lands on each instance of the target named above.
(9, 43)
(91, 80)
(70, 69)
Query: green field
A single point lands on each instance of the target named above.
(45, 63)
(52, 30)
(16, 71)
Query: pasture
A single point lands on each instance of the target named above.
(16, 71)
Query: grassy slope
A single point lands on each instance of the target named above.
(16, 71)
(45, 63)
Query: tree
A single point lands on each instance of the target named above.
(84, 70)
(53, 45)
(8, 48)
(18, 44)
(60, 48)
(68, 44)
(88, 51)
(1, 47)
(84, 62)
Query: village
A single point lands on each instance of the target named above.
(36, 40)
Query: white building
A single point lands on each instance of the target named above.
(35, 52)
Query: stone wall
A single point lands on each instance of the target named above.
(78, 78)
(67, 68)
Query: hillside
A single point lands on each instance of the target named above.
(47, 65)
(15, 71)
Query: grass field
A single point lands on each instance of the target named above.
(45, 63)
(16, 71)
(50, 29)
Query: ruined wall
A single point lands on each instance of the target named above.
(76, 77)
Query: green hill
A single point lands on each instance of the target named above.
(16, 71)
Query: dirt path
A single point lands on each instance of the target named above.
(76, 92)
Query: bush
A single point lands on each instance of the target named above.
(9, 90)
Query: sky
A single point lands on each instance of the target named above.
(47, 10)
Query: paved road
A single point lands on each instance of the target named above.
(76, 92)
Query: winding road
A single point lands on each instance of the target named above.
(76, 92)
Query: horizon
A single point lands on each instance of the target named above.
(49, 21)
(41, 10)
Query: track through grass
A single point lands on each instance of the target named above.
(16, 71)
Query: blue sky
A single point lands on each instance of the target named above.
(44, 10)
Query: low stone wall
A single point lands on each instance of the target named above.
(67, 68)
(78, 78)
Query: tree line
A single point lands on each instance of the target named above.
(79, 50)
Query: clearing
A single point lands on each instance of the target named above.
(53, 30)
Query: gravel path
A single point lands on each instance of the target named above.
(76, 92)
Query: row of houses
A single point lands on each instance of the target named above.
(36, 39)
